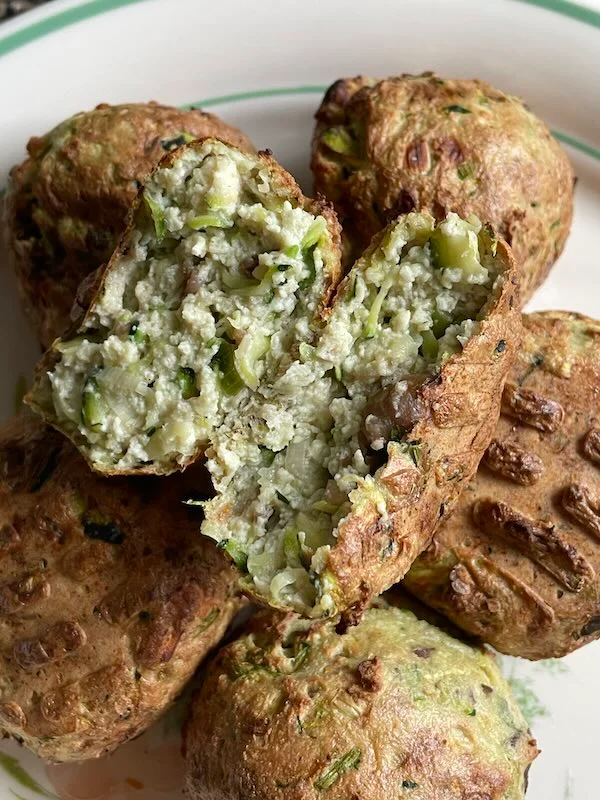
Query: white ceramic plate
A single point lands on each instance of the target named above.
(263, 66)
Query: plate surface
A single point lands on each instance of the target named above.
(263, 66)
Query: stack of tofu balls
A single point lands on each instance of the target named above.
(454, 459)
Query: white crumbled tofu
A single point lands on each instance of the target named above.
(168, 301)
(191, 319)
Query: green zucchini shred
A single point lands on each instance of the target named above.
(208, 221)
(340, 140)
(158, 216)
(309, 257)
(186, 380)
(93, 407)
(429, 348)
(231, 383)
(351, 760)
(235, 552)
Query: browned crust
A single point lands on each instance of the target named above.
(374, 552)
(97, 637)
(63, 179)
(255, 732)
(284, 185)
(517, 564)
(499, 162)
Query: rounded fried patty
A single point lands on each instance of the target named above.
(109, 596)
(381, 148)
(517, 563)
(337, 431)
(390, 708)
(68, 201)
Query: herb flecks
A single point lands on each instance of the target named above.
(350, 760)
(301, 655)
(177, 141)
(465, 170)
(207, 622)
(186, 380)
(536, 361)
(455, 109)
(397, 433)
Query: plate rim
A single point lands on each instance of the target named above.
(48, 19)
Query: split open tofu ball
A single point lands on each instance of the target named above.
(337, 433)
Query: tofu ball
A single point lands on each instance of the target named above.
(391, 708)
(109, 596)
(68, 202)
(382, 148)
(517, 563)
(337, 432)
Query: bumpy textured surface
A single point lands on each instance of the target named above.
(517, 562)
(382, 148)
(68, 202)
(109, 597)
(457, 411)
(391, 708)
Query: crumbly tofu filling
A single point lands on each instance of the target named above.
(223, 277)
(207, 336)
(306, 452)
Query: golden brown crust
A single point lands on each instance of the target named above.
(459, 408)
(284, 185)
(109, 596)
(68, 201)
(420, 142)
(517, 562)
(294, 711)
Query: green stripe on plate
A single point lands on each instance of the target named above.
(258, 93)
(568, 9)
(95, 7)
(62, 19)
(583, 147)
(58, 21)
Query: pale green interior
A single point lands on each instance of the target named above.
(300, 462)
(207, 337)
(224, 275)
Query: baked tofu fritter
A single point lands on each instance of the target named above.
(109, 596)
(337, 433)
(68, 202)
(382, 148)
(391, 708)
(517, 563)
